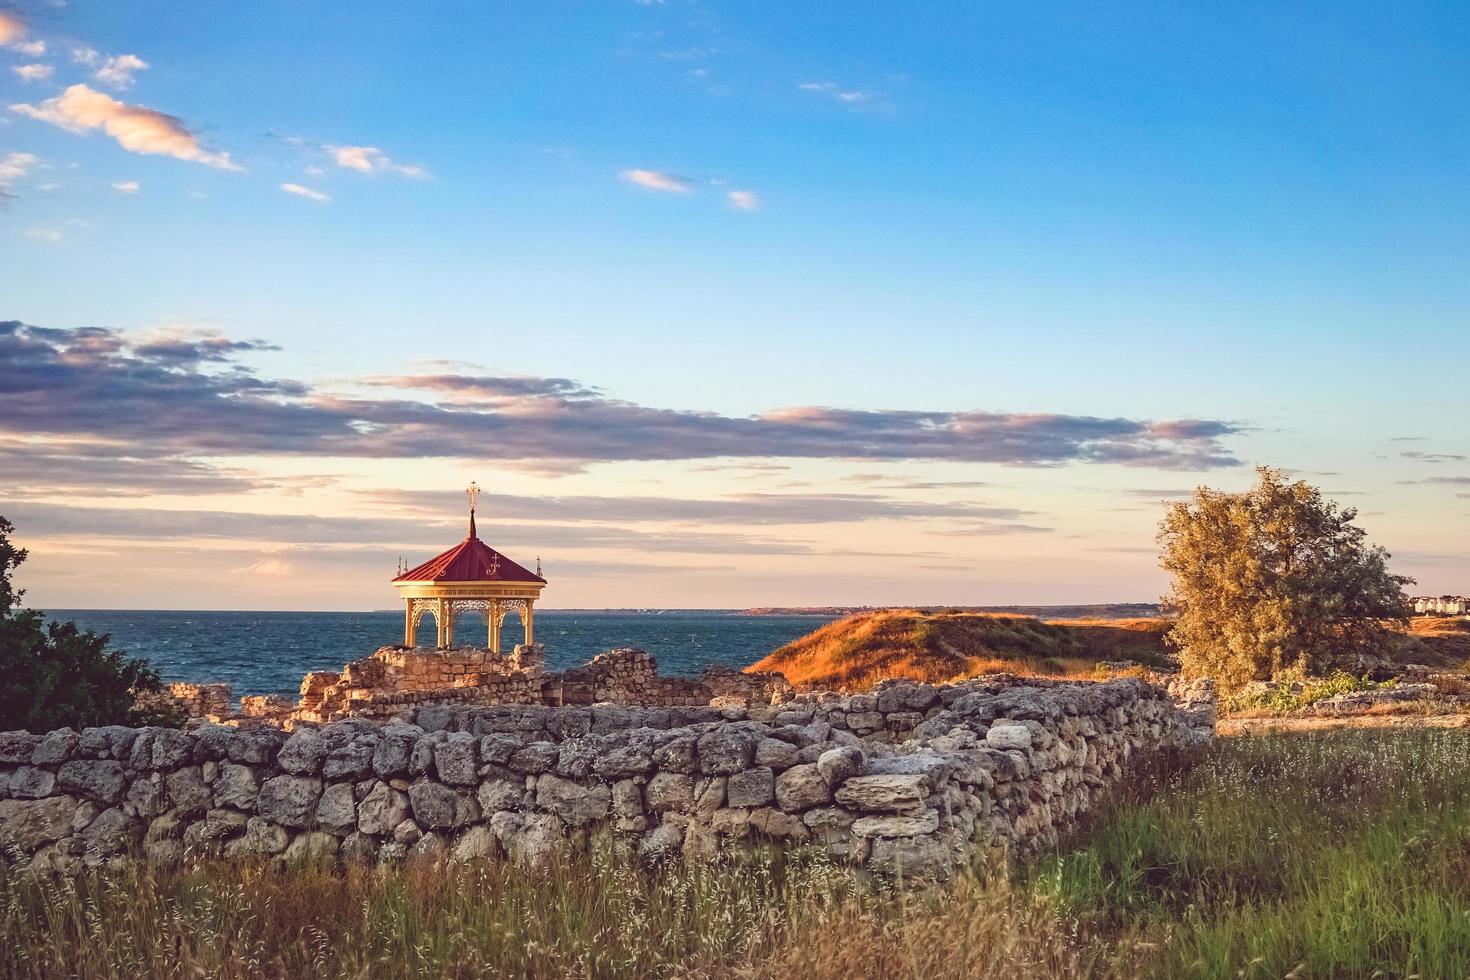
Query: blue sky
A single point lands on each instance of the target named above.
(1248, 215)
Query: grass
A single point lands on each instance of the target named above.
(856, 652)
(1287, 698)
(1441, 641)
(1344, 854)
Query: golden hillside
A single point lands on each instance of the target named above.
(857, 652)
(1443, 641)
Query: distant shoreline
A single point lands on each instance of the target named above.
(1102, 610)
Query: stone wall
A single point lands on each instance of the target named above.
(394, 680)
(195, 700)
(911, 777)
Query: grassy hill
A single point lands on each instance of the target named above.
(857, 652)
(1442, 641)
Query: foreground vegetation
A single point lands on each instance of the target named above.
(1342, 854)
(856, 652)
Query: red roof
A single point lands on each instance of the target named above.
(472, 560)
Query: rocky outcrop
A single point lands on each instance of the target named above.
(911, 778)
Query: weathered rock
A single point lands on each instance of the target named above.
(32, 783)
(56, 748)
(186, 790)
(801, 787)
(753, 787)
(501, 794)
(474, 844)
(290, 800)
(303, 753)
(925, 821)
(884, 792)
(1005, 737)
(381, 810)
(662, 843)
(394, 750)
(537, 757)
(837, 764)
(669, 791)
(261, 838)
(17, 747)
(255, 746)
(171, 749)
(100, 779)
(726, 750)
(336, 811)
(28, 824)
(573, 803)
(436, 805)
(352, 760)
(457, 759)
(312, 845)
(236, 786)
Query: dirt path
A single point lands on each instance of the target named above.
(1257, 726)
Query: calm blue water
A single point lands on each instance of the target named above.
(268, 652)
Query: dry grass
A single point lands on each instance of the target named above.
(857, 652)
(1443, 641)
(1326, 855)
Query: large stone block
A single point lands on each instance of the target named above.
(574, 803)
(97, 779)
(28, 824)
(753, 787)
(381, 810)
(290, 800)
(801, 787)
(894, 792)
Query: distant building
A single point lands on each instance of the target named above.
(1442, 605)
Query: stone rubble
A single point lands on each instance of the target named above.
(913, 778)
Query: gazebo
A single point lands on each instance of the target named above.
(470, 577)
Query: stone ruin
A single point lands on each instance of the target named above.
(394, 680)
(911, 778)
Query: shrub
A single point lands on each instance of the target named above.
(1274, 579)
(57, 675)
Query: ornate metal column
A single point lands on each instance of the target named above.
(528, 621)
(493, 616)
(408, 622)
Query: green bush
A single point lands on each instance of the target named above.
(59, 676)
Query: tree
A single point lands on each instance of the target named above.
(57, 675)
(1275, 579)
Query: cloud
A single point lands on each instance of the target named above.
(13, 167)
(739, 509)
(99, 383)
(32, 73)
(52, 235)
(136, 128)
(305, 192)
(1151, 494)
(106, 469)
(371, 160)
(1442, 481)
(743, 200)
(657, 180)
(31, 49)
(1435, 457)
(847, 96)
(272, 567)
(125, 186)
(12, 28)
(118, 70)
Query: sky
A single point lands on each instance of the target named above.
(723, 305)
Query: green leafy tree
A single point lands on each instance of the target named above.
(1275, 580)
(56, 675)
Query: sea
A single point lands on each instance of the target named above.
(268, 652)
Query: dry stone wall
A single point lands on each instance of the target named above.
(911, 777)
